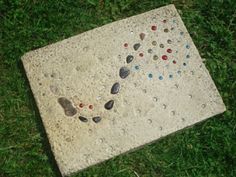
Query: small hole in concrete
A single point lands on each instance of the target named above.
(149, 121)
(155, 57)
(164, 106)
(154, 43)
(172, 113)
(166, 30)
(155, 99)
(169, 41)
(53, 75)
(203, 105)
(149, 50)
(162, 46)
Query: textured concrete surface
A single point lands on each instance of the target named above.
(115, 88)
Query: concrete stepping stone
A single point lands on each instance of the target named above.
(120, 86)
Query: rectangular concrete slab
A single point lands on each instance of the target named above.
(120, 86)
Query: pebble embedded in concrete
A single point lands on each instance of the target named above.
(115, 88)
(129, 58)
(136, 46)
(67, 106)
(124, 72)
(142, 36)
(83, 119)
(97, 119)
(109, 104)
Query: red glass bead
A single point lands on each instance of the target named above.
(164, 57)
(154, 28)
(90, 106)
(81, 105)
(174, 62)
(169, 50)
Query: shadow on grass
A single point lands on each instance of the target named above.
(39, 123)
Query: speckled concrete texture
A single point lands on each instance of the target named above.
(115, 88)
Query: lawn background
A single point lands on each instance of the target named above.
(206, 149)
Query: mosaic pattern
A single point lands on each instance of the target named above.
(162, 54)
(165, 54)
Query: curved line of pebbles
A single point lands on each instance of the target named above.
(95, 119)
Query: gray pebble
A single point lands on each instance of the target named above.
(83, 119)
(96, 119)
(129, 58)
(136, 46)
(115, 88)
(124, 72)
(67, 106)
(109, 104)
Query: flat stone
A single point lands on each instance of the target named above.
(80, 70)
(83, 119)
(115, 88)
(136, 46)
(129, 58)
(96, 119)
(124, 72)
(109, 104)
(67, 106)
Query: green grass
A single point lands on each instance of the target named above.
(206, 149)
